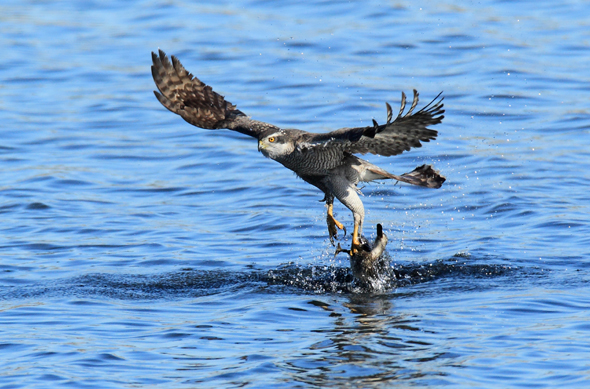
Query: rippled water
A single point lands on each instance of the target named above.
(139, 251)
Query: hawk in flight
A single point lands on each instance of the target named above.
(326, 161)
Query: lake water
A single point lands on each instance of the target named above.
(139, 251)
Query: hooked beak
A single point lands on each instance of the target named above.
(260, 146)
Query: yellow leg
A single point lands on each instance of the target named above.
(333, 224)
(355, 240)
(355, 246)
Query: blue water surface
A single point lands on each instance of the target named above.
(139, 251)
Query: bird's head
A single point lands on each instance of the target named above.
(275, 145)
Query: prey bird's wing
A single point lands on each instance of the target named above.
(196, 102)
(405, 132)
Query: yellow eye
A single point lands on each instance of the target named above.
(271, 139)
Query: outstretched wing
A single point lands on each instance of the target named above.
(196, 102)
(392, 138)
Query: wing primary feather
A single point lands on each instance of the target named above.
(427, 106)
(414, 104)
(183, 74)
(389, 112)
(403, 106)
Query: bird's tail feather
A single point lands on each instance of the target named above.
(424, 175)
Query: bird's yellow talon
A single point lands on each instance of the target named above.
(333, 224)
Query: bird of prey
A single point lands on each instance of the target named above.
(326, 161)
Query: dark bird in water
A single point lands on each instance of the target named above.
(326, 161)
(367, 262)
